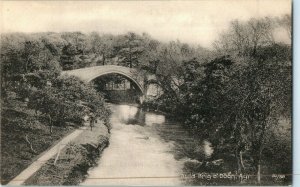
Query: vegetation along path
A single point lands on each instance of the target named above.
(35, 166)
(70, 166)
(79, 136)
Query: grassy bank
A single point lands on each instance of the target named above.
(73, 162)
(24, 136)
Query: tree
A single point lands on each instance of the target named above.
(129, 49)
(31, 71)
(31, 64)
(237, 107)
(102, 46)
(78, 40)
(243, 38)
(260, 89)
(170, 68)
(68, 59)
(286, 22)
(68, 100)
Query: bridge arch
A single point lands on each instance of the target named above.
(123, 74)
(91, 73)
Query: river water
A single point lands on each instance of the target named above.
(141, 151)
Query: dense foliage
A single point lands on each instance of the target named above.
(38, 106)
(31, 70)
(240, 100)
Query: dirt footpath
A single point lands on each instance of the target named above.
(70, 164)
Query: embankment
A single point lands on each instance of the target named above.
(70, 166)
(24, 137)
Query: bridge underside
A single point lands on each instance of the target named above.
(118, 88)
(91, 73)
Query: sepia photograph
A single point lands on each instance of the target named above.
(146, 93)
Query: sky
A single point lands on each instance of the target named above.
(195, 22)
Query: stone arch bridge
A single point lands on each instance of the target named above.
(90, 73)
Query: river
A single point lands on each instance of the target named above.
(143, 150)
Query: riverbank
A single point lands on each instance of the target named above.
(70, 165)
(275, 158)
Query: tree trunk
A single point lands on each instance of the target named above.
(130, 58)
(259, 165)
(50, 123)
(239, 170)
(103, 59)
(30, 144)
(241, 159)
(258, 172)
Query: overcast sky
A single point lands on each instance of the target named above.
(197, 22)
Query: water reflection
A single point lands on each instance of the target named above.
(207, 148)
(125, 113)
(129, 115)
(151, 118)
(132, 115)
